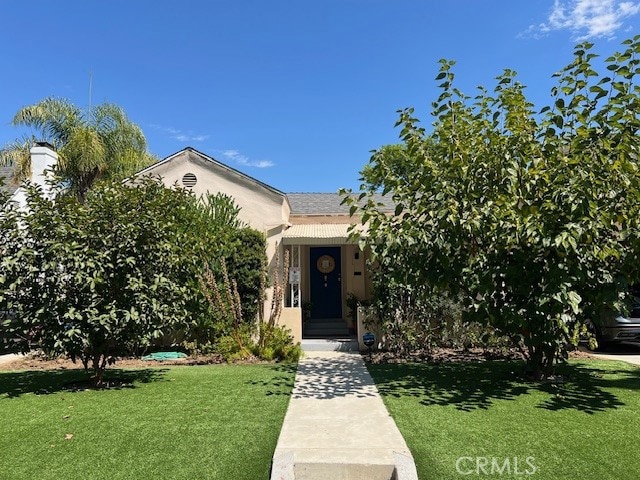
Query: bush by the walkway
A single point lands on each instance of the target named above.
(411, 319)
(531, 216)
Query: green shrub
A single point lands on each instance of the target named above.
(267, 353)
(246, 260)
(235, 347)
(278, 344)
(417, 318)
(101, 278)
(222, 240)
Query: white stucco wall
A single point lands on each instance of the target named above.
(261, 208)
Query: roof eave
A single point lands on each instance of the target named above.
(217, 163)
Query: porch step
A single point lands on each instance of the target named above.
(347, 344)
(324, 328)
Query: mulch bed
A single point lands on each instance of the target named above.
(446, 355)
(34, 361)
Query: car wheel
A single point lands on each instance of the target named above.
(595, 332)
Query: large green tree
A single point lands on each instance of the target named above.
(532, 217)
(96, 279)
(99, 142)
(119, 272)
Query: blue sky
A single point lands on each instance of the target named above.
(294, 92)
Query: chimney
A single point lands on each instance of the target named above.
(43, 161)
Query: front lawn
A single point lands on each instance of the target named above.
(198, 422)
(585, 426)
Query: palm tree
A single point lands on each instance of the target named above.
(100, 142)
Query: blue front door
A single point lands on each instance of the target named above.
(326, 282)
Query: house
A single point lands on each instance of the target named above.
(326, 266)
(7, 183)
(43, 161)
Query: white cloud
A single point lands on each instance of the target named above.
(180, 135)
(585, 18)
(237, 157)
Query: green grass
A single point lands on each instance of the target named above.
(203, 422)
(587, 427)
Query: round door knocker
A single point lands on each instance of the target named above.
(326, 264)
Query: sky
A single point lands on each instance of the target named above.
(296, 93)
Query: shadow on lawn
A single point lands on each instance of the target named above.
(281, 383)
(42, 382)
(472, 386)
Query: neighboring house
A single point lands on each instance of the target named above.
(43, 161)
(7, 185)
(326, 267)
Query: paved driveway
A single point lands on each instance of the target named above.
(10, 357)
(626, 352)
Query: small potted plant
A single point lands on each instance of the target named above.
(306, 309)
(352, 317)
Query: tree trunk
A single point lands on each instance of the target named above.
(540, 361)
(98, 366)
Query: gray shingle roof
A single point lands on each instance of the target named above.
(6, 173)
(326, 203)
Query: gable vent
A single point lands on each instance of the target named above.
(189, 180)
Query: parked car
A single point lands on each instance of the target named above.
(615, 328)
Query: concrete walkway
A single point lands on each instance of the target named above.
(9, 357)
(625, 352)
(629, 358)
(337, 427)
